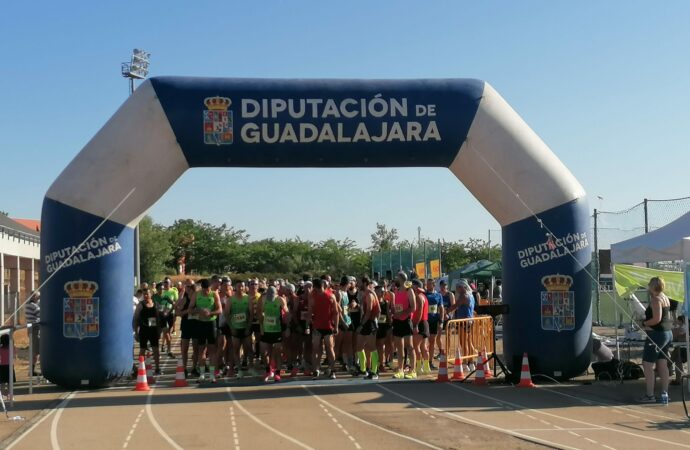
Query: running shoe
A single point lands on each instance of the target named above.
(432, 366)
(317, 372)
(399, 375)
(157, 372)
(294, 371)
(200, 380)
(646, 399)
(277, 378)
(195, 372)
(268, 377)
(240, 374)
(171, 355)
(332, 375)
(411, 376)
(373, 376)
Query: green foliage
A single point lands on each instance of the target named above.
(154, 249)
(383, 238)
(459, 253)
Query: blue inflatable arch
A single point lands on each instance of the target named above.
(171, 124)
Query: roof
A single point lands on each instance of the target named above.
(31, 224)
(6, 222)
(668, 243)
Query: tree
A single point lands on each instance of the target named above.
(383, 238)
(154, 249)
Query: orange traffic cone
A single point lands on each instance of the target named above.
(149, 372)
(458, 374)
(487, 367)
(479, 378)
(525, 376)
(442, 367)
(142, 384)
(180, 380)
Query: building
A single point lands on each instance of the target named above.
(19, 263)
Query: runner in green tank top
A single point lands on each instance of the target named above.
(270, 311)
(206, 305)
(239, 317)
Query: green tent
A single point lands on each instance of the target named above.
(481, 269)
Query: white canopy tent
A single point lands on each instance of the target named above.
(668, 243)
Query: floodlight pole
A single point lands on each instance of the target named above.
(137, 68)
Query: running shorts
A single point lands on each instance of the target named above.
(383, 330)
(324, 333)
(402, 328)
(272, 338)
(225, 329)
(433, 326)
(187, 328)
(206, 333)
(423, 328)
(368, 328)
(148, 335)
(241, 333)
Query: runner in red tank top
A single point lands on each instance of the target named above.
(368, 355)
(420, 322)
(324, 317)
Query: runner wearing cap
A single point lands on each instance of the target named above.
(205, 305)
(420, 327)
(324, 316)
(145, 324)
(238, 317)
(404, 303)
(448, 302)
(436, 315)
(271, 309)
(384, 338)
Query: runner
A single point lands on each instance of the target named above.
(145, 324)
(239, 317)
(343, 340)
(404, 304)
(367, 331)
(448, 302)
(420, 327)
(324, 314)
(206, 306)
(303, 327)
(271, 310)
(384, 342)
(436, 314)
(186, 325)
(255, 297)
(293, 338)
(353, 295)
(224, 353)
(165, 301)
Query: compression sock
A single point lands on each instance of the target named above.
(375, 361)
(425, 366)
(362, 360)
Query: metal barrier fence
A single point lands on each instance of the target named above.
(470, 336)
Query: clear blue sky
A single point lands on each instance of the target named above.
(605, 84)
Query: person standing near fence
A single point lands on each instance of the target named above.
(32, 312)
(657, 325)
(436, 315)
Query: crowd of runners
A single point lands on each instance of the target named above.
(272, 327)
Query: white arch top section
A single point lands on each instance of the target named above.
(503, 157)
(137, 149)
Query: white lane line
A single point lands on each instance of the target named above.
(340, 426)
(134, 427)
(235, 436)
(36, 424)
(581, 422)
(574, 434)
(591, 440)
(606, 446)
(154, 422)
(557, 429)
(394, 433)
(264, 424)
(475, 422)
(56, 418)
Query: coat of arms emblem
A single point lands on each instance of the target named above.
(217, 121)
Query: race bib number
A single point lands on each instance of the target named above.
(398, 308)
(152, 322)
(239, 317)
(304, 315)
(433, 309)
(272, 321)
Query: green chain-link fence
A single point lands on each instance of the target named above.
(408, 258)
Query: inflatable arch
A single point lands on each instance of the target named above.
(171, 124)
